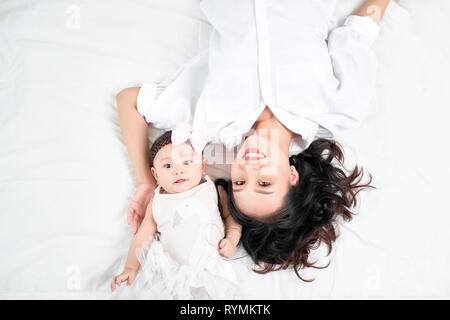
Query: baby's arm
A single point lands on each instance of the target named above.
(233, 230)
(143, 237)
(373, 8)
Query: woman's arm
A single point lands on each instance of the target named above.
(354, 64)
(135, 136)
(143, 237)
(373, 8)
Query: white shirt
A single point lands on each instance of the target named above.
(279, 53)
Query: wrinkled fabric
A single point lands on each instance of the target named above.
(280, 54)
(184, 263)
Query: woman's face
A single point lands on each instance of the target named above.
(261, 177)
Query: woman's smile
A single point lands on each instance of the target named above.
(253, 154)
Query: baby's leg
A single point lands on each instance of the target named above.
(135, 136)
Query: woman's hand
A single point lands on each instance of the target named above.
(373, 8)
(127, 274)
(136, 212)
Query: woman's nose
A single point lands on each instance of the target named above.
(253, 166)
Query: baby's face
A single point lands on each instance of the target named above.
(178, 168)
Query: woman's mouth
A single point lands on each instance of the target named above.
(253, 154)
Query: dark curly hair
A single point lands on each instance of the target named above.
(324, 193)
(160, 142)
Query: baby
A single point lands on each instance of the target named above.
(185, 262)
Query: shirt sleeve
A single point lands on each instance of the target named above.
(166, 103)
(146, 95)
(354, 65)
(150, 91)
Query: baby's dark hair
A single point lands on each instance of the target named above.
(324, 193)
(163, 140)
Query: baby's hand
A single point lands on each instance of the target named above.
(127, 274)
(226, 248)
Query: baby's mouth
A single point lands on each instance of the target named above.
(180, 181)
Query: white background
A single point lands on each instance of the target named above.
(66, 180)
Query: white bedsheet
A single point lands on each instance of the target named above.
(66, 180)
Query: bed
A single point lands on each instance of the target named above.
(66, 180)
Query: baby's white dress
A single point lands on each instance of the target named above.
(316, 76)
(185, 262)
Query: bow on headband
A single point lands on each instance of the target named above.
(183, 133)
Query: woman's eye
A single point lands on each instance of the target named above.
(167, 166)
(187, 162)
(264, 184)
(239, 183)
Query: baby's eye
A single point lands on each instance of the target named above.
(167, 166)
(187, 162)
(264, 184)
(239, 183)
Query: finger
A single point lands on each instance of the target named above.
(222, 243)
(139, 222)
(141, 214)
(129, 215)
(121, 279)
(223, 249)
(135, 224)
(113, 284)
(224, 253)
(130, 280)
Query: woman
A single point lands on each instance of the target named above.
(275, 75)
